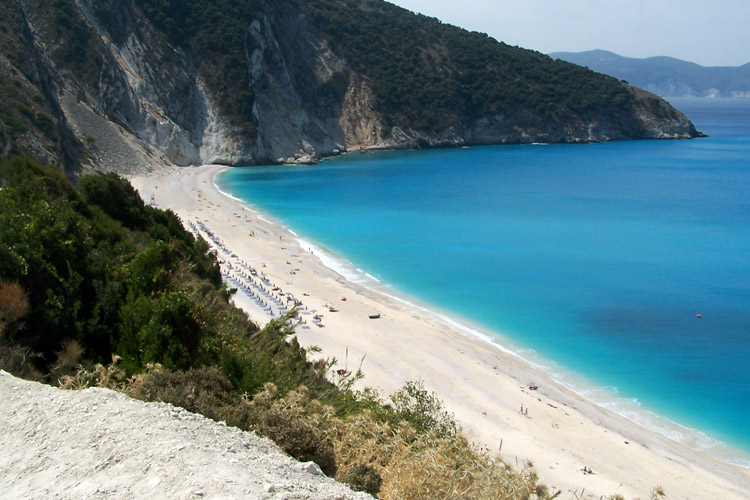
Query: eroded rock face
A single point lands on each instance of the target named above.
(142, 102)
(153, 87)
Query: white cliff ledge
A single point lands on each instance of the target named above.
(97, 443)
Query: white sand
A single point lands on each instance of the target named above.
(480, 383)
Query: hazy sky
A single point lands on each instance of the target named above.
(710, 33)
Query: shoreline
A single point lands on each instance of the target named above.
(628, 408)
(583, 386)
(482, 383)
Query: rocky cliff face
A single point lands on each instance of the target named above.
(122, 97)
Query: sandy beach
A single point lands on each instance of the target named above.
(483, 385)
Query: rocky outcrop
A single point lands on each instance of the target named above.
(297, 81)
(152, 87)
(136, 101)
(97, 443)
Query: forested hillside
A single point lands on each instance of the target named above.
(431, 76)
(425, 74)
(216, 33)
(128, 84)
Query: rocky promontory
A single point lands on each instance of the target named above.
(129, 84)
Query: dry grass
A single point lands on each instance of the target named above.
(18, 360)
(14, 304)
(416, 466)
(392, 459)
(368, 449)
(296, 423)
(71, 353)
(395, 460)
(110, 376)
(67, 360)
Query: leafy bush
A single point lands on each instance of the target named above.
(363, 477)
(109, 272)
(203, 390)
(423, 410)
(166, 330)
(121, 202)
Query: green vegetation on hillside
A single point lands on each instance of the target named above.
(102, 269)
(97, 288)
(77, 48)
(429, 75)
(23, 110)
(425, 75)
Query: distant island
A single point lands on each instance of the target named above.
(666, 76)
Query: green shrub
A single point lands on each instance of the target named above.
(202, 390)
(292, 422)
(423, 410)
(166, 329)
(363, 477)
(107, 271)
(120, 201)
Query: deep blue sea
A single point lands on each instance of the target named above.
(593, 261)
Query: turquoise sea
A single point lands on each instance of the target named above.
(593, 261)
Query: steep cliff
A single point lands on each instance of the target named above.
(129, 84)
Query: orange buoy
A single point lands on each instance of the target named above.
(698, 316)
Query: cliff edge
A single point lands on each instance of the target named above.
(98, 443)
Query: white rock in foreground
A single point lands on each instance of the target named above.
(98, 443)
